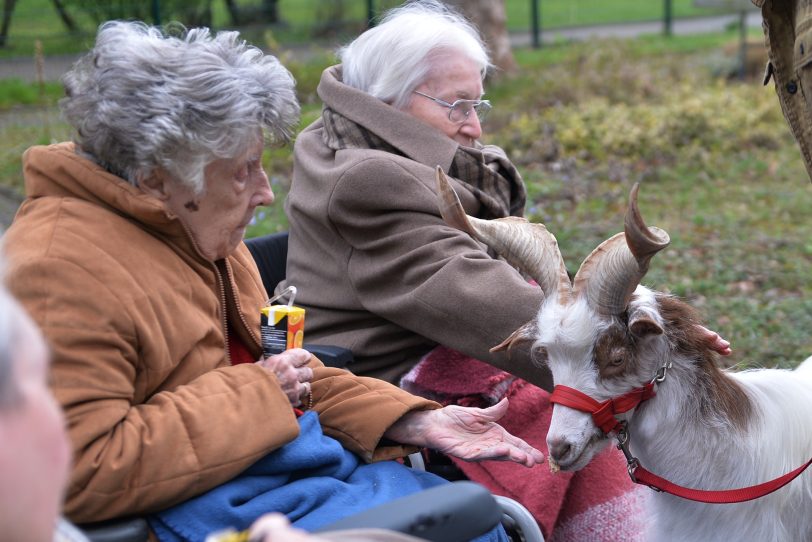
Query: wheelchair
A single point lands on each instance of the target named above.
(453, 512)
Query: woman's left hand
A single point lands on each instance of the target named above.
(471, 434)
(715, 341)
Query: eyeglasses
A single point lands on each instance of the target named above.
(460, 110)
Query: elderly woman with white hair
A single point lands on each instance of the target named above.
(408, 294)
(128, 253)
(406, 98)
(390, 279)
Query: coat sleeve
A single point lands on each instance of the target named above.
(426, 276)
(357, 411)
(134, 456)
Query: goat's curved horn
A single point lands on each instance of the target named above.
(528, 246)
(612, 271)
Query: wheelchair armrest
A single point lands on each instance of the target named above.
(453, 512)
(515, 517)
(331, 356)
(117, 530)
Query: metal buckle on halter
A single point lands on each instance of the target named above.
(623, 435)
(631, 466)
(623, 445)
(623, 442)
(661, 372)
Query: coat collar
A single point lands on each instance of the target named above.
(408, 134)
(60, 171)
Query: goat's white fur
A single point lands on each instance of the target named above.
(674, 440)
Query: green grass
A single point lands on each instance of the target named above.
(718, 167)
(719, 171)
(14, 92)
(331, 21)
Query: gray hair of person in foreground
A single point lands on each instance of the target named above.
(395, 57)
(142, 99)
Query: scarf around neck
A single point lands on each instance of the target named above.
(485, 170)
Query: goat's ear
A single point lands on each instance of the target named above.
(642, 324)
(527, 332)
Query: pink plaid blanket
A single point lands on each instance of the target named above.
(596, 504)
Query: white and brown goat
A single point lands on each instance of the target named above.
(603, 334)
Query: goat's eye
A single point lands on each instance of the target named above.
(539, 355)
(616, 361)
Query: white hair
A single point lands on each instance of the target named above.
(16, 328)
(142, 100)
(395, 57)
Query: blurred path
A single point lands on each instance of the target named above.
(55, 66)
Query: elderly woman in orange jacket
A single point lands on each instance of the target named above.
(128, 253)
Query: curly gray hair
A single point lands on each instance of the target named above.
(142, 100)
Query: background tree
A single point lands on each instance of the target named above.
(8, 10)
(67, 20)
(270, 9)
(267, 11)
(491, 19)
(189, 12)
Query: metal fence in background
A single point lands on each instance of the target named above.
(68, 26)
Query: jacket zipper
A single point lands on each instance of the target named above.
(223, 311)
(221, 285)
(238, 306)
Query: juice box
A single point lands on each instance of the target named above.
(229, 535)
(281, 326)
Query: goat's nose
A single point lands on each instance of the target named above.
(559, 448)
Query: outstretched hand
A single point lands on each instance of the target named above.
(468, 433)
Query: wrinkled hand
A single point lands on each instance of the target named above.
(471, 434)
(291, 373)
(276, 528)
(715, 341)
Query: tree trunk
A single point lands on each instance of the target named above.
(233, 12)
(490, 18)
(67, 20)
(8, 9)
(270, 11)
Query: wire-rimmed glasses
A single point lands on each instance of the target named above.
(460, 110)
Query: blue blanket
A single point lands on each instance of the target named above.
(313, 480)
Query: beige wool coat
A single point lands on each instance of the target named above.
(377, 269)
(136, 320)
(787, 28)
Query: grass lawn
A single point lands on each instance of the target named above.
(719, 171)
(305, 19)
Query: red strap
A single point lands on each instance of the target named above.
(574, 399)
(602, 413)
(642, 476)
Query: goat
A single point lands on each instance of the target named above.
(604, 334)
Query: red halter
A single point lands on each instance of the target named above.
(604, 415)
